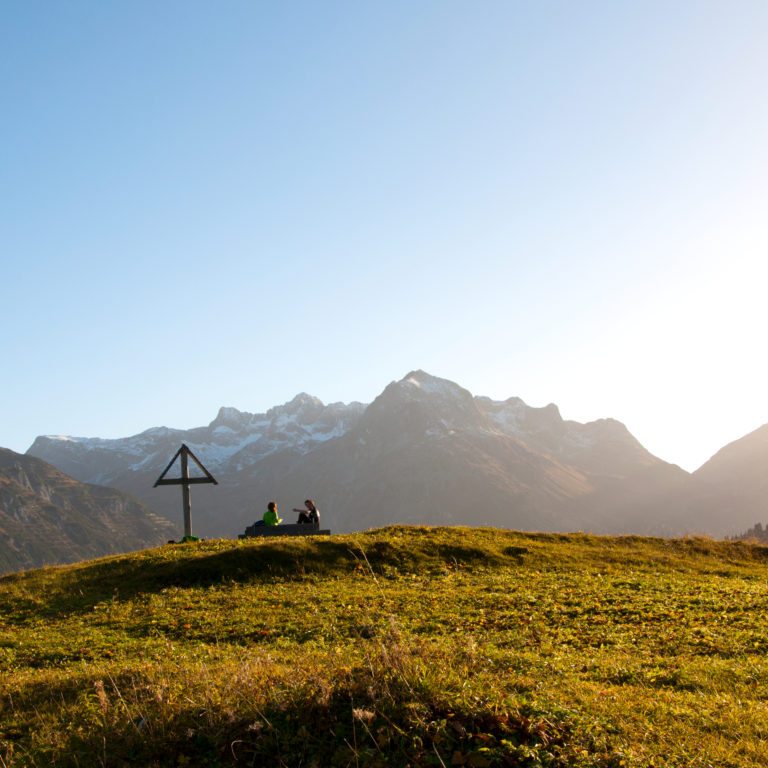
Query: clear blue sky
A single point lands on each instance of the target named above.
(209, 204)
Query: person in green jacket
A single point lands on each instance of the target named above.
(270, 516)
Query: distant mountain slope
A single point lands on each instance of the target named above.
(731, 489)
(425, 451)
(47, 517)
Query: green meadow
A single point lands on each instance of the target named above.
(395, 647)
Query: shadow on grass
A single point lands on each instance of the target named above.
(125, 578)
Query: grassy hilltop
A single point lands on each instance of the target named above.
(402, 646)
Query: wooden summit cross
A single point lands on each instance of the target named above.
(185, 481)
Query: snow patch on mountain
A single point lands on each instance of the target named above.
(233, 440)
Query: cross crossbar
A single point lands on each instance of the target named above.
(185, 481)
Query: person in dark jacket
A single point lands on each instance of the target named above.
(309, 515)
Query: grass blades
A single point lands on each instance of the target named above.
(401, 646)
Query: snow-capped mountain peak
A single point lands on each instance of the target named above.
(421, 386)
(304, 408)
(231, 417)
(426, 383)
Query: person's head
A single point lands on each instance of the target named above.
(272, 506)
(309, 504)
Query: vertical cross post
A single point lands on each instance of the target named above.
(186, 496)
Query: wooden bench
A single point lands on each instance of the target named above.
(285, 529)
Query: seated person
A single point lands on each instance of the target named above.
(270, 516)
(309, 515)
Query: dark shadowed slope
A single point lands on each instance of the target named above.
(47, 517)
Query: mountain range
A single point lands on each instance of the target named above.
(48, 517)
(427, 451)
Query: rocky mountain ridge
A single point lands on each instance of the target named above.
(233, 440)
(237, 439)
